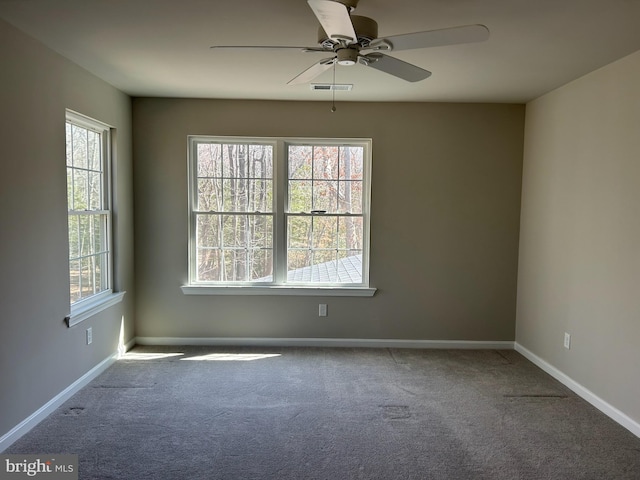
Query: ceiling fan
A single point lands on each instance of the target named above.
(354, 39)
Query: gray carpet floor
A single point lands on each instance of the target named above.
(320, 413)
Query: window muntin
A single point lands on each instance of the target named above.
(89, 209)
(277, 212)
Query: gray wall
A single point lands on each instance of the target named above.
(444, 227)
(39, 355)
(579, 268)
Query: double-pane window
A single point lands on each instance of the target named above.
(89, 210)
(279, 211)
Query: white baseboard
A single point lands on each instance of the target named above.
(323, 342)
(36, 417)
(606, 408)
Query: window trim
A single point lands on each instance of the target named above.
(85, 308)
(280, 212)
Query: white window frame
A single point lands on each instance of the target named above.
(279, 286)
(85, 308)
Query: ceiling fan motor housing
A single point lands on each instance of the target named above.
(366, 30)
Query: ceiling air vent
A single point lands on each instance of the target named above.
(327, 87)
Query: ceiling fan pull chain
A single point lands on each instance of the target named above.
(333, 89)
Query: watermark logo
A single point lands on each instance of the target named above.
(49, 467)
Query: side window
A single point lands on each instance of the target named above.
(89, 210)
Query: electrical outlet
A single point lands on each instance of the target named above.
(567, 341)
(89, 335)
(322, 310)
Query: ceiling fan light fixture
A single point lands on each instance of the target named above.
(347, 56)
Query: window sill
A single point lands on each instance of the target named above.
(279, 290)
(82, 312)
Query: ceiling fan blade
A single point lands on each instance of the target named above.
(433, 38)
(335, 20)
(395, 67)
(313, 71)
(267, 47)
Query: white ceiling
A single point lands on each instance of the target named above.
(161, 47)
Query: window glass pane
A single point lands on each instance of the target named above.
(349, 267)
(234, 228)
(325, 196)
(260, 196)
(324, 267)
(93, 151)
(235, 177)
(208, 265)
(99, 233)
(351, 163)
(235, 160)
(299, 161)
(350, 233)
(317, 266)
(74, 234)
(260, 161)
(300, 196)
(228, 160)
(325, 232)
(84, 234)
(260, 233)
(209, 195)
(261, 265)
(325, 162)
(79, 144)
(350, 197)
(70, 188)
(299, 230)
(101, 272)
(324, 256)
(298, 262)
(74, 279)
(208, 228)
(229, 195)
(234, 247)
(238, 196)
(69, 148)
(235, 265)
(95, 190)
(80, 197)
(86, 277)
(209, 160)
